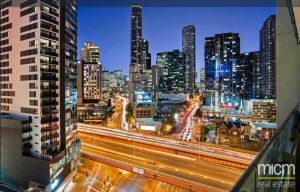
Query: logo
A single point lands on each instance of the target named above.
(276, 176)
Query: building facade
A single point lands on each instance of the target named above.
(202, 79)
(173, 77)
(220, 55)
(135, 66)
(38, 70)
(157, 72)
(89, 75)
(189, 51)
(146, 65)
(89, 82)
(90, 53)
(267, 36)
(113, 82)
(247, 77)
(264, 111)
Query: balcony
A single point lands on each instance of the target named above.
(50, 52)
(51, 11)
(45, 70)
(50, 128)
(49, 78)
(49, 87)
(49, 35)
(49, 120)
(51, 145)
(48, 112)
(27, 138)
(282, 149)
(51, 3)
(49, 62)
(49, 18)
(51, 136)
(26, 130)
(49, 27)
(49, 95)
(27, 146)
(46, 103)
(26, 149)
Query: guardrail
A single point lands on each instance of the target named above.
(281, 149)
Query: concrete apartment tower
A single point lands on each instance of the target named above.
(89, 75)
(38, 92)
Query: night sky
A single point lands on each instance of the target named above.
(109, 28)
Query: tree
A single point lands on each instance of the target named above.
(129, 112)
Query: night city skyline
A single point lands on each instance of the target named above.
(149, 96)
(112, 33)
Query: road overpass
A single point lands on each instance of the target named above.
(188, 173)
(224, 156)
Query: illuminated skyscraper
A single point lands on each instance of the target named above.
(90, 53)
(89, 75)
(221, 52)
(173, 72)
(248, 75)
(147, 72)
(267, 59)
(135, 66)
(189, 51)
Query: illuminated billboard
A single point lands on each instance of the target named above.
(148, 128)
(143, 97)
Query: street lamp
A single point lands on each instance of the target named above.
(133, 146)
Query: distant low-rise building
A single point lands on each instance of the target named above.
(264, 112)
(143, 110)
(222, 134)
(91, 114)
(229, 135)
(234, 136)
(246, 132)
(148, 125)
(181, 97)
(264, 131)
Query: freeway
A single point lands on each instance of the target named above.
(124, 123)
(214, 177)
(209, 150)
(103, 177)
(187, 132)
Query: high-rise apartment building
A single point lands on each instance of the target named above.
(221, 52)
(89, 75)
(247, 77)
(146, 55)
(90, 53)
(173, 71)
(89, 82)
(202, 79)
(157, 72)
(267, 36)
(38, 74)
(146, 65)
(189, 51)
(135, 66)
